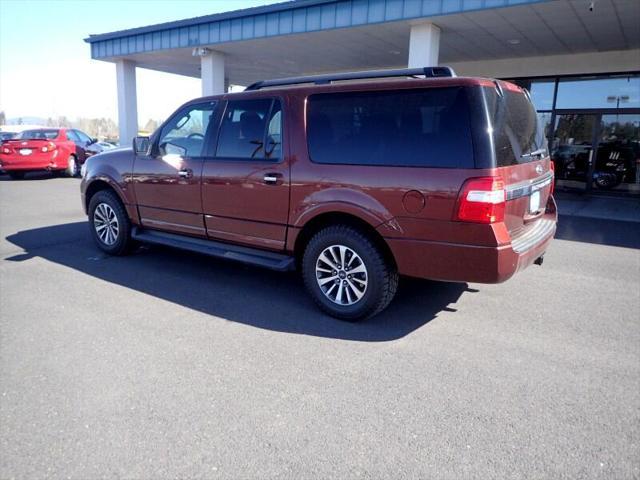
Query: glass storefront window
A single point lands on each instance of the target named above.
(614, 92)
(544, 119)
(618, 158)
(542, 94)
(594, 138)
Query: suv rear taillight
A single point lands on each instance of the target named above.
(552, 165)
(482, 200)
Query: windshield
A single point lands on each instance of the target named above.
(38, 135)
(518, 134)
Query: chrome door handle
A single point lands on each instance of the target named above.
(186, 173)
(272, 178)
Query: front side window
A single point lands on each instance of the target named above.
(84, 138)
(72, 137)
(251, 130)
(184, 134)
(422, 128)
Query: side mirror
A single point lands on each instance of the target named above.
(93, 140)
(141, 145)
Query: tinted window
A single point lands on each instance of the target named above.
(246, 126)
(426, 128)
(517, 129)
(38, 135)
(72, 137)
(7, 135)
(84, 138)
(185, 132)
(274, 133)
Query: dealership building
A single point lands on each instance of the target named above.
(580, 59)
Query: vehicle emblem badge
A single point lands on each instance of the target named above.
(538, 169)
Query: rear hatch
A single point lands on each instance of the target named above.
(521, 156)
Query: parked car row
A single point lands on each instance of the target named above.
(59, 150)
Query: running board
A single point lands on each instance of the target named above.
(252, 256)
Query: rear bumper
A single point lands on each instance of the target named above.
(468, 263)
(43, 162)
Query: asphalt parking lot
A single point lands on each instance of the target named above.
(166, 364)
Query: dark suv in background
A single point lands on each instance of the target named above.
(352, 178)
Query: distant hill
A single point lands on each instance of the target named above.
(26, 121)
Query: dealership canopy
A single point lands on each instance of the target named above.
(495, 38)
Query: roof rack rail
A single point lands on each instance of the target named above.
(427, 72)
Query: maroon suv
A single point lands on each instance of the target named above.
(354, 179)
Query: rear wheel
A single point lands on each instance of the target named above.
(347, 275)
(16, 175)
(109, 222)
(72, 166)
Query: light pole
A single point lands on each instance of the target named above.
(618, 99)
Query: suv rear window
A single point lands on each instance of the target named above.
(417, 128)
(516, 128)
(38, 135)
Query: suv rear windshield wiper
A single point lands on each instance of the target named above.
(535, 153)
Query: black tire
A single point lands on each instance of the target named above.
(16, 175)
(382, 276)
(123, 242)
(607, 181)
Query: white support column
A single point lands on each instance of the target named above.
(212, 73)
(127, 101)
(424, 45)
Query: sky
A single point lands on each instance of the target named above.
(46, 68)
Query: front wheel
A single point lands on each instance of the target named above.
(347, 275)
(109, 223)
(606, 180)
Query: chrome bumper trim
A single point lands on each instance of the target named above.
(523, 189)
(539, 232)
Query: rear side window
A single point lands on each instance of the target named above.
(251, 130)
(415, 128)
(517, 130)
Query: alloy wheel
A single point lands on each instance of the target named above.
(341, 275)
(106, 224)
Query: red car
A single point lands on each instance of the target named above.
(51, 149)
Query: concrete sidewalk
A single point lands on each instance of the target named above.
(624, 209)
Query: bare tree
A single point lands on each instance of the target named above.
(151, 126)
